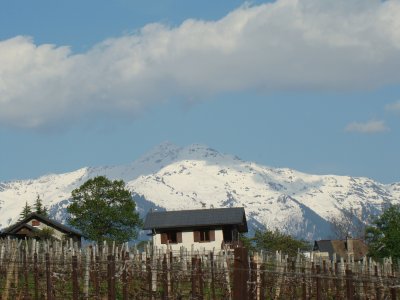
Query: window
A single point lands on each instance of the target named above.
(202, 236)
(35, 223)
(171, 237)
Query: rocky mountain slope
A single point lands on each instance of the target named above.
(170, 177)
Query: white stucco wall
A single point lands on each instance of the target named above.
(57, 234)
(188, 241)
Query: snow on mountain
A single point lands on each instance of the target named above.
(170, 177)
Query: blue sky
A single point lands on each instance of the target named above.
(304, 84)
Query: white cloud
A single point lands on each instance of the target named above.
(370, 127)
(285, 45)
(393, 107)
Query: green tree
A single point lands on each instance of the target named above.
(272, 241)
(247, 242)
(46, 233)
(383, 236)
(25, 211)
(104, 210)
(40, 208)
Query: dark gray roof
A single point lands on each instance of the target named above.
(196, 218)
(53, 223)
(16, 229)
(324, 246)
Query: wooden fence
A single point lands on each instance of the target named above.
(51, 270)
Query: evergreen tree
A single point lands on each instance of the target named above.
(383, 236)
(104, 210)
(25, 211)
(40, 208)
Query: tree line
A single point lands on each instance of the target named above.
(38, 208)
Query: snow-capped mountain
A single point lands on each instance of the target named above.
(170, 177)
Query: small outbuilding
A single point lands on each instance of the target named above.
(201, 228)
(347, 249)
(39, 226)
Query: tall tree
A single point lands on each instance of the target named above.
(25, 211)
(383, 236)
(40, 208)
(104, 210)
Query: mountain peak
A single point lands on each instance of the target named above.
(168, 152)
(159, 153)
(173, 177)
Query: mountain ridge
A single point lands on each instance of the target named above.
(172, 177)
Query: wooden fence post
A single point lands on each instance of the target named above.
(303, 284)
(166, 288)
(48, 277)
(293, 285)
(200, 279)
(11, 251)
(393, 292)
(194, 277)
(149, 277)
(312, 281)
(212, 276)
(325, 281)
(111, 276)
(75, 284)
(318, 282)
(225, 268)
(124, 275)
(377, 285)
(240, 274)
(26, 278)
(86, 277)
(36, 275)
(349, 285)
(96, 271)
(253, 287)
(263, 286)
(337, 281)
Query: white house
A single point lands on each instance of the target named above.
(33, 225)
(201, 228)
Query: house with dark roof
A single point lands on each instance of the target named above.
(353, 249)
(34, 225)
(201, 228)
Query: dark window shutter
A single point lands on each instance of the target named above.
(212, 235)
(196, 236)
(179, 237)
(164, 238)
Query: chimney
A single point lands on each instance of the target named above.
(350, 247)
